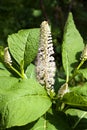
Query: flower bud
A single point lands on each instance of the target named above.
(7, 57)
(63, 89)
(84, 53)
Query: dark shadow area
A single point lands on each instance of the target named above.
(59, 120)
(74, 65)
(82, 125)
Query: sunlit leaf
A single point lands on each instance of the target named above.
(24, 45)
(23, 102)
(72, 46)
(77, 97)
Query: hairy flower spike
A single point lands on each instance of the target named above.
(45, 65)
(7, 57)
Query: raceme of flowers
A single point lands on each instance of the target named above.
(45, 64)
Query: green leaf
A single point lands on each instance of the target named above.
(72, 46)
(30, 71)
(77, 97)
(23, 103)
(24, 45)
(77, 119)
(2, 66)
(52, 121)
(7, 82)
(4, 71)
(83, 72)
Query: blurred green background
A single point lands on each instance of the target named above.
(20, 14)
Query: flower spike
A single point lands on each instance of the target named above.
(45, 64)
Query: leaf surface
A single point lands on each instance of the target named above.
(4, 71)
(77, 97)
(72, 46)
(30, 71)
(83, 72)
(24, 45)
(24, 102)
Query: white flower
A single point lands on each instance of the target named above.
(45, 64)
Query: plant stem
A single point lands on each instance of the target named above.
(22, 69)
(45, 122)
(81, 63)
(22, 76)
(78, 67)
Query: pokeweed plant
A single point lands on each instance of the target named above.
(28, 98)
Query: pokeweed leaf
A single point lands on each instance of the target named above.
(77, 119)
(72, 45)
(77, 97)
(7, 82)
(4, 71)
(83, 72)
(24, 45)
(30, 71)
(24, 102)
(2, 66)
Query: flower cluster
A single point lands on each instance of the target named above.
(45, 65)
